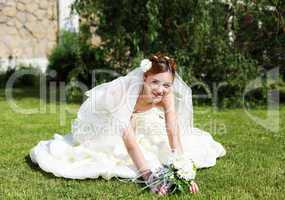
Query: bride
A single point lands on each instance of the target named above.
(128, 127)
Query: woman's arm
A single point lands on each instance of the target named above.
(171, 121)
(134, 150)
(173, 131)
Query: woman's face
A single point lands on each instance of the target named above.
(156, 86)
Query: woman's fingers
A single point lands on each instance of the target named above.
(193, 187)
(163, 190)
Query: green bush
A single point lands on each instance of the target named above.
(27, 76)
(74, 58)
(195, 32)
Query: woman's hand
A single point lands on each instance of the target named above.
(157, 186)
(193, 188)
(164, 189)
(168, 102)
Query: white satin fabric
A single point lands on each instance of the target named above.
(69, 157)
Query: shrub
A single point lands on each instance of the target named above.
(195, 32)
(27, 76)
(74, 58)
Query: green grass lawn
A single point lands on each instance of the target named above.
(252, 169)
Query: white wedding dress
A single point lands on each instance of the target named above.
(70, 157)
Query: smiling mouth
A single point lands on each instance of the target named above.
(156, 95)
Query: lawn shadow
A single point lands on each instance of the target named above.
(36, 168)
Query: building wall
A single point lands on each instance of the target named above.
(28, 31)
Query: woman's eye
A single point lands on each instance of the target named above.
(155, 82)
(167, 86)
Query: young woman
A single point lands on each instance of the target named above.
(128, 127)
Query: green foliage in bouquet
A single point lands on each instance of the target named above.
(178, 183)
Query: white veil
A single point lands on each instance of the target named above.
(107, 110)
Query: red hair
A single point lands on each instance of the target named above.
(161, 63)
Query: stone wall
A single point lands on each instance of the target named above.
(28, 28)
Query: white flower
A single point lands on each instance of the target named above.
(187, 174)
(145, 65)
(184, 165)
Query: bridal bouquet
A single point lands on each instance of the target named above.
(179, 171)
